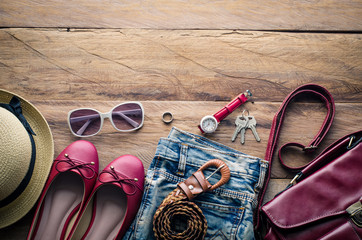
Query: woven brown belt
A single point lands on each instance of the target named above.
(177, 209)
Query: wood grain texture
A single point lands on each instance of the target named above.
(200, 65)
(326, 15)
(187, 115)
(189, 58)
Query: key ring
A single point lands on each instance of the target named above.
(242, 114)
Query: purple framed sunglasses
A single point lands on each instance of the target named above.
(125, 117)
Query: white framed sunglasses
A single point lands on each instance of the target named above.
(125, 117)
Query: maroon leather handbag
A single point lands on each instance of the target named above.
(324, 200)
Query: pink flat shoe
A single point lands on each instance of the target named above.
(71, 180)
(113, 203)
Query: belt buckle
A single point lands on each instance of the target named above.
(220, 166)
(197, 183)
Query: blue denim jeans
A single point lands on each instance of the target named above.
(228, 209)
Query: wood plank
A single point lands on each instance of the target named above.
(111, 144)
(198, 65)
(328, 15)
(275, 186)
(189, 58)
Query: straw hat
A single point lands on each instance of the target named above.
(16, 158)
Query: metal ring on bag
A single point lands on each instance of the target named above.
(167, 117)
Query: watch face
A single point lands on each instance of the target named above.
(208, 124)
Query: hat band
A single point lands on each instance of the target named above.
(15, 107)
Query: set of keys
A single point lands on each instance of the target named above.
(242, 123)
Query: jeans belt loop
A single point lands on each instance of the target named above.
(182, 160)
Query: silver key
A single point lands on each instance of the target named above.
(241, 123)
(242, 135)
(252, 125)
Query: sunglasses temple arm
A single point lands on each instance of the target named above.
(129, 120)
(84, 127)
(82, 118)
(134, 111)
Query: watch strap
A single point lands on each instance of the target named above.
(230, 107)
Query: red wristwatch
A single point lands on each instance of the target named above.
(209, 123)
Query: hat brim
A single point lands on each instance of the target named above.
(43, 162)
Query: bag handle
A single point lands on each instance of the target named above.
(327, 98)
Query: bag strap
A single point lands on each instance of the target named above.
(327, 98)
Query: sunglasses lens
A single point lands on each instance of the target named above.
(85, 122)
(128, 116)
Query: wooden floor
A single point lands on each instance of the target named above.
(186, 57)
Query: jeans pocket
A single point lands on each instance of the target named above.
(223, 221)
